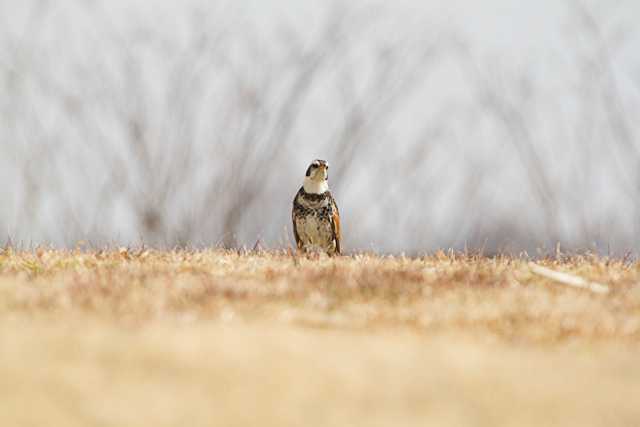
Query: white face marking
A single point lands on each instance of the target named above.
(314, 186)
(316, 182)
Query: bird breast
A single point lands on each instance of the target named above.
(308, 203)
(314, 231)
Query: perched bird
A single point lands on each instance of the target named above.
(316, 221)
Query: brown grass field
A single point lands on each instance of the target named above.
(214, 338)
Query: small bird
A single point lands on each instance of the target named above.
(316, 221)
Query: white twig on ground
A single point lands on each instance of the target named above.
(568, 279)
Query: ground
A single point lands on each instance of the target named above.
(200, 338)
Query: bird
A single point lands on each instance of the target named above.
(315, 215)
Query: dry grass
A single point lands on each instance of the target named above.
(131, 338)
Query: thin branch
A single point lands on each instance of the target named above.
(568, 279)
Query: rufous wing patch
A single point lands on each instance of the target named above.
(335, 223)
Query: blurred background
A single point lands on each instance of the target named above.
(499, 125)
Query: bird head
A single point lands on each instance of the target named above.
(316, 177)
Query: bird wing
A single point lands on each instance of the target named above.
(335, 224)
(295, 226)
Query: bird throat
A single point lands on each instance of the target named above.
(315, 187)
